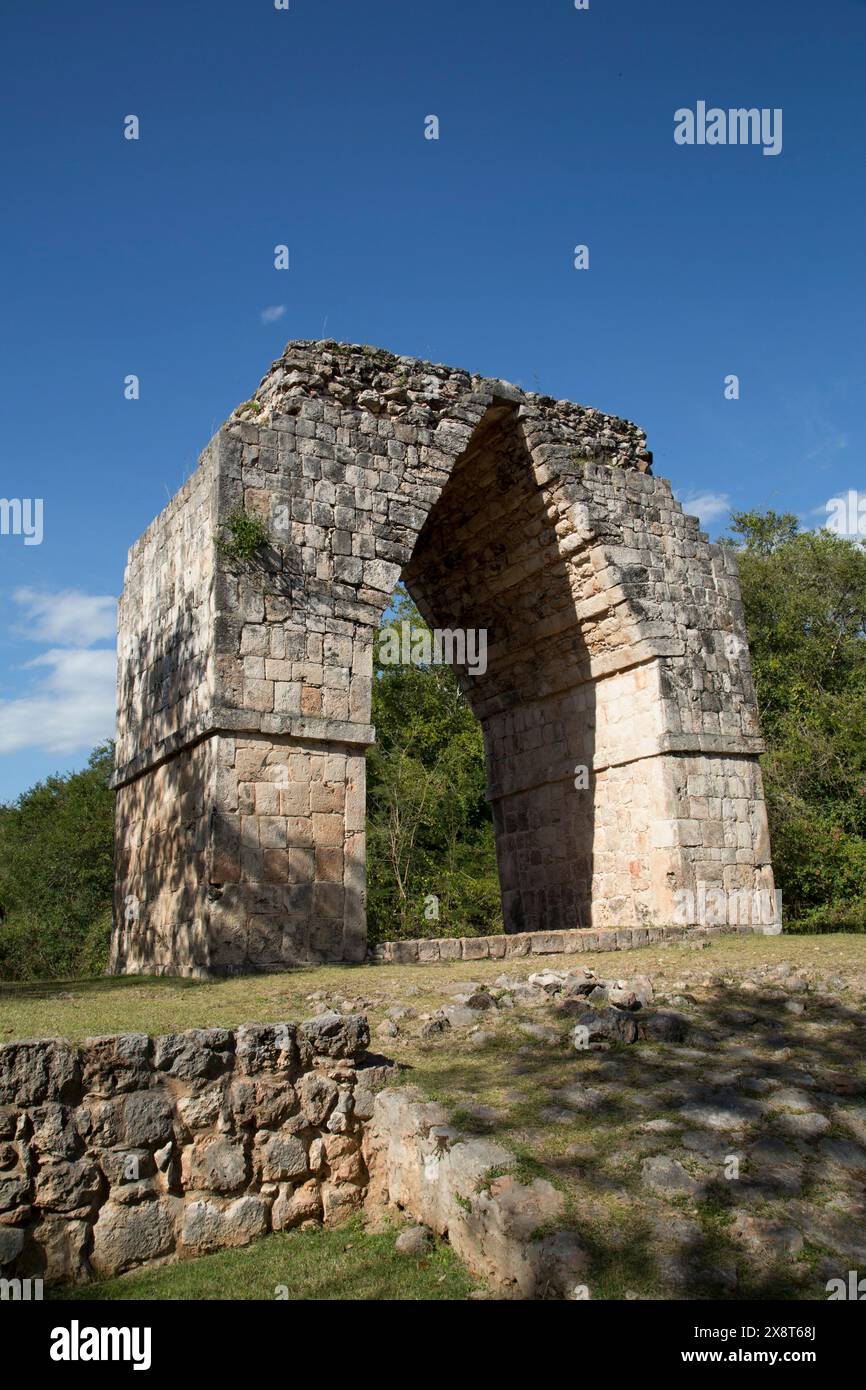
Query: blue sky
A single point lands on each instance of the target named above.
(306, 127)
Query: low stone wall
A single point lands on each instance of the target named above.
(130, 1149)
(429, 951)
(504, 1229)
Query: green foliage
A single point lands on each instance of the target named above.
(56, 874)
(804, 595)
(242, 536)
(429, 828)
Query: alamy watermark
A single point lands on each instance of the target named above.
(854, 1290)
(22, 516)
(21, 1290)
(737, 126)
(846, 516)
(422, 646)
(77, 1343)
(712, 906)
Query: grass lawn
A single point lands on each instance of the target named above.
(77, 1009)
(343, 1263)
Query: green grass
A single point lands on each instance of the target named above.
(344, 1263)
(77, 1009)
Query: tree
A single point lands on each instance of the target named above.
(804, 595)
(56, 874)
(431, 859)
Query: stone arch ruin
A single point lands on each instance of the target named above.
(615, 643)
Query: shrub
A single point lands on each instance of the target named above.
(56, 874)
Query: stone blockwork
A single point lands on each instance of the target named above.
(129, 1149)
(617, 702)
(432, 950)
(503, 1228)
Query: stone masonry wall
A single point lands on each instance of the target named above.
(432, 950)
(129, 1149)
(165, 655)
(617, 682)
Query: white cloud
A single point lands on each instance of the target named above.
(69, 618)
(272, 313)
(71, 705)
(708, 506)
(66, 695)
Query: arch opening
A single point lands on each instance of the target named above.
(487, 561)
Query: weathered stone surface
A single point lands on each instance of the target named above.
(665, 1174)
(662, 1025)
(266, 1104)
(67, 1186)
(729, 1113)
(199, 1054)
(209, 1227)
(54, 1133)
(318, 1096)
(340, 1201)
(419, 1164)
(217, 1164)
(844, 1154)
(270, 1048)
(295, 1206)
(244, 689)
(205, 1131)
(11, 1244)
(126, 1166)
(281, 1156)
(138, 1119)
(804, 1125)
(115, 1063)
(125, 1236)
(460, 1016)
(762, 1236)
(578, 1097)
(429, 951)
(335, 1035)
(202, 1110)
(32, 1073)
(415, 1241)
(605, 1023)
(364, 1102)
(62, 1250)
(14, 1190)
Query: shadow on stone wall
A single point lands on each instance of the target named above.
(488, 559)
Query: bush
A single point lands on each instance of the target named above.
(804, 595)
(56, 874)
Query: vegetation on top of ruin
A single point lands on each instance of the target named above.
(242, 536)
